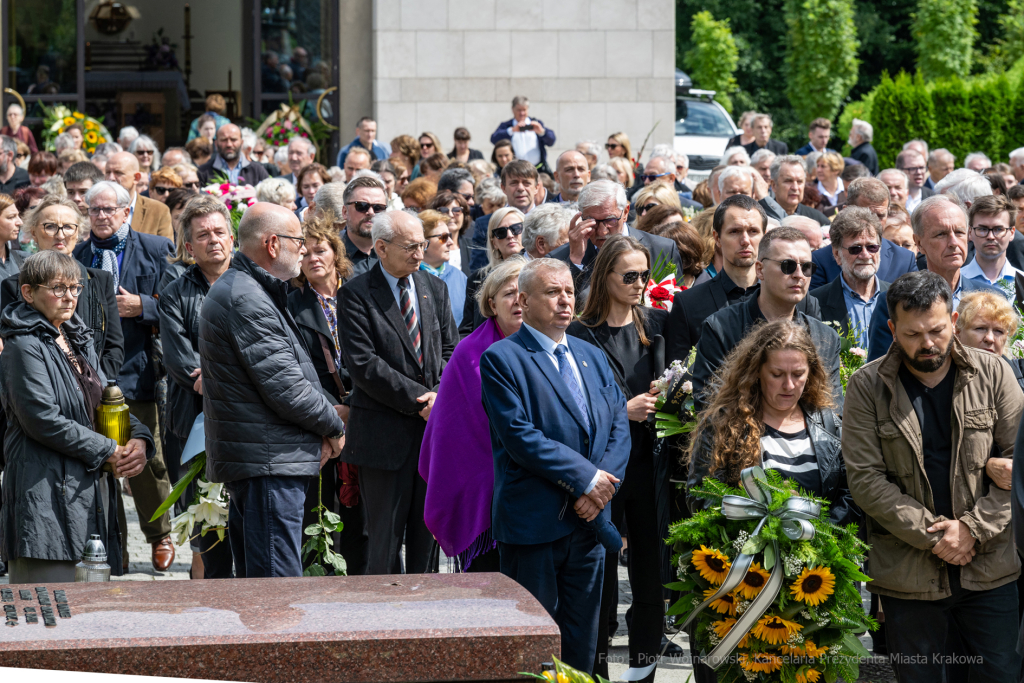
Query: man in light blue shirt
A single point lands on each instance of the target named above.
(366, 137)
(992, 219)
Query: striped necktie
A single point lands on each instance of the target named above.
(570, 381)
(409, 313)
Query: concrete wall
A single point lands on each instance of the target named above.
(589, 67)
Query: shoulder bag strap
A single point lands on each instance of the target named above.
(329, 357)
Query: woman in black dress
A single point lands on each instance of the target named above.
(615, 319)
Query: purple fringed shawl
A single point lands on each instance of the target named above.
(455, 458)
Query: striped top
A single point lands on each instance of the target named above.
(793, 456)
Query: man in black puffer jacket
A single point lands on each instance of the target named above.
(269, 425)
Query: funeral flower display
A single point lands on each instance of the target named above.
(851, 355)
(237, 198)
(674, 407)
(661, 286)
(56, 120)
(768, 583)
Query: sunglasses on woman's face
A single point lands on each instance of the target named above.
(194, 185)
(612, 145)
(645, 208)
(501, 233)
(160, 189)
(454, 210)
(426, 145)
(788, 266)
(631, 276)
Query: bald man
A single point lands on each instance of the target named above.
(572, 172)
(145, 215)
(808, 226)
(229, 162)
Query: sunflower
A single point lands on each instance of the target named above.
(91, 125)
(760, 661)
(69, 120)
(726, 604)
(753, 582)
(808, 649)
(813, 586)
(91, 137)
(722, 628)
(775, 630)
(808, 676)
(712, 564)
(78, 115)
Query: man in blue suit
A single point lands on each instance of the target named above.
(940, 231)
(871, 194)
(136, 261)
(561, 441)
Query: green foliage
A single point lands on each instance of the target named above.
(886, 44)
(861, 109)
(954, 116)
(998, 53)
(821, 56)
(945, 32)
(902, 110)
(713, 59)
(320, 542)
(990, 100)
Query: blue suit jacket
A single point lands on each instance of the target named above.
(879, 336)
(543, 458)
(142, 266)
(895, 261)
(478, 245)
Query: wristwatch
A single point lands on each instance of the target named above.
(337, 435)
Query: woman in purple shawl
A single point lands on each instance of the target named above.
(455, 459)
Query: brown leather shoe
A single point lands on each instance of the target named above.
(163, 554)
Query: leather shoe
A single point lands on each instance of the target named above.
(163, 554)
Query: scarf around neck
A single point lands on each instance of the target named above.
(106, 251)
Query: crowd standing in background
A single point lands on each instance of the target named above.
(464, 345)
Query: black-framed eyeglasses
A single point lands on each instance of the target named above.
(631, 276)
(410, 248)
(608, 223)
(161, 189)
(453, 210)
(788, 266)
(985, 231)
(60, 290)
(501, 233)
(646, 177)
(857, 248)
(52, 229)
(364, 207)
(641, 210)
(441, 237)
(300, 240)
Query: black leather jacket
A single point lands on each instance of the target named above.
(825, 431)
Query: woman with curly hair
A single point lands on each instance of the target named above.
(774, 408)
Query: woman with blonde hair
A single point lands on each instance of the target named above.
(625, 169)
(504, 240)
(440, 236)
(746, 124)
(618, 147)
(651, 196)
(829, 167)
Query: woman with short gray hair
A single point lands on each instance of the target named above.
(277, 191)
(59, 485)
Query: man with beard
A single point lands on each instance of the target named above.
(940, 232)
(230, 162)
(851, 298)
(360, 201)
(918, 428)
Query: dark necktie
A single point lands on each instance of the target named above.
(409, 313)
(565, 370)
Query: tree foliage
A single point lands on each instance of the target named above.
(902, 110)
(821, 56)
(713, 59)
(999, 53)
(954, 117)
(944, 31)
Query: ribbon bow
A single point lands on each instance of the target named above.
(794, 515)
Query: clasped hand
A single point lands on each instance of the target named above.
(956, 545)
(589, 505)
(129, 460)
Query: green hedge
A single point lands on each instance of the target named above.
(907, 110)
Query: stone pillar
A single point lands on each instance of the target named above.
(356, 67)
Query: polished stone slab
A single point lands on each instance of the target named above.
(429, 627)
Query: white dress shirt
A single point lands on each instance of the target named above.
(393, 283)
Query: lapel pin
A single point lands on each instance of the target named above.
(584, 363)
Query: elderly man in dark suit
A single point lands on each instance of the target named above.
(136, 261)
(397, 333)
(560, 437)
(851, 298)
(603, 211)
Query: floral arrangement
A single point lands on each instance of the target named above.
(56, 120)
(661, 286)
(1015, 345)
(674, 407)
(209, 506)
(237, 198)
(851, 356)
(282, 125)
(560, 672)
(768, 583)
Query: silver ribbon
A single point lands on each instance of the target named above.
(794, 515)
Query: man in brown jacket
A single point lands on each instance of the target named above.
(146, 215)
(919, 425)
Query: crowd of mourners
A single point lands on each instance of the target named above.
(448, 349)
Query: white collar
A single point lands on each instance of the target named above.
(546, 342)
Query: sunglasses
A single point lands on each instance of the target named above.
(441, 237)
(641, 210)
(364, 207)
(426, 145)
(502, 233)
(612, 145)
(788, 266)
(194, 185)
(160, 189)
(455, 210)
(649, 178)
(857, 248)
(631, 276)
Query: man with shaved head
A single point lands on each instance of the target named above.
(229, 162)
(269, 427)
(145, 215)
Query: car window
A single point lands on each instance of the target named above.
(701, 118)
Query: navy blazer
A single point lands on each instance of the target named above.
(543, 457)
(143, 263)
(543, 141)
(894, 261)
(879, 335)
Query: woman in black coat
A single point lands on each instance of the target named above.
(615, 319)
(57, 487)
(314, 305)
